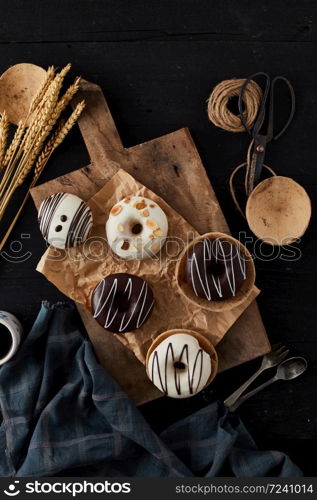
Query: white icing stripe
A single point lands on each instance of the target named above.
(192, 272)
(243, 265)
(147, 313)
(217, 287)
(123, 327)
(100, 306)
(194, 260)
(225, 260)
(101, 284)
(233, 273)
(102, 303)
(143, 304)
(129, 284)
(202, 274)
(207, 249)
(114, 288)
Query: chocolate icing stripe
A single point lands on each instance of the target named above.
(190, 375)
(50, 211)
(156, 360)
(200, 353)
(83, 223)
(178, 388)
(78, 225)
(169, 348)
(47, 212)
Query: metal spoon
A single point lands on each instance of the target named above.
(287, 370)
(273, 358)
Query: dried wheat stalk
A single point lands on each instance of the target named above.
(32, 145)
(39, 96)
(4, 132)
(57, 138)
(47, 151)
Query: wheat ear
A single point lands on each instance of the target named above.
(42, 91)
(32, 144)
(41, 127)
(4, 131)
(47, 151)
(57, 138)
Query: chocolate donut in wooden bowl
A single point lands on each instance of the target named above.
(216, 272)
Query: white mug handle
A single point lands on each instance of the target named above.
(14, 326)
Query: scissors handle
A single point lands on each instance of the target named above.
(261, 113)
(260, 140)
(269, 89)
(270, 131)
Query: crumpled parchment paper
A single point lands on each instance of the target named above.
(77, 271)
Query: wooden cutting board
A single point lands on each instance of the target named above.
(171, 167)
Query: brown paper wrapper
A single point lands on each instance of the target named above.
(77, 271)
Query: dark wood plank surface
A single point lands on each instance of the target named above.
(157, 62)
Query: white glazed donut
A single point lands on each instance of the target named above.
(136, 228)
(65, 220)
(179, 366)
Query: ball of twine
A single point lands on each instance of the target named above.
(218, 111)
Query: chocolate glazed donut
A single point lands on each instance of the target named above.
(215, 269)
(122, 302)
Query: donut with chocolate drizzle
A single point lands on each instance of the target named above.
(215, 269)
(122, 302)
(178, 366)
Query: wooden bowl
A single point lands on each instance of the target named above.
(278, 210)
(204, 343)
(216, 305)
(18, 87)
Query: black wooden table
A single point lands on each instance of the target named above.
(157, 62)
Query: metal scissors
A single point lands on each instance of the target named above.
(260, 139)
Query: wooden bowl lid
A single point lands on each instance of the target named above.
(216, 305)
(204, 343)
(278, 210)
(18, 87)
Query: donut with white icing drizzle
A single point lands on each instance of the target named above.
(122, 302)
(180, 363)
(136, 228)
(215, 269)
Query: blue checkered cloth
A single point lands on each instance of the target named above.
(63, 414)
